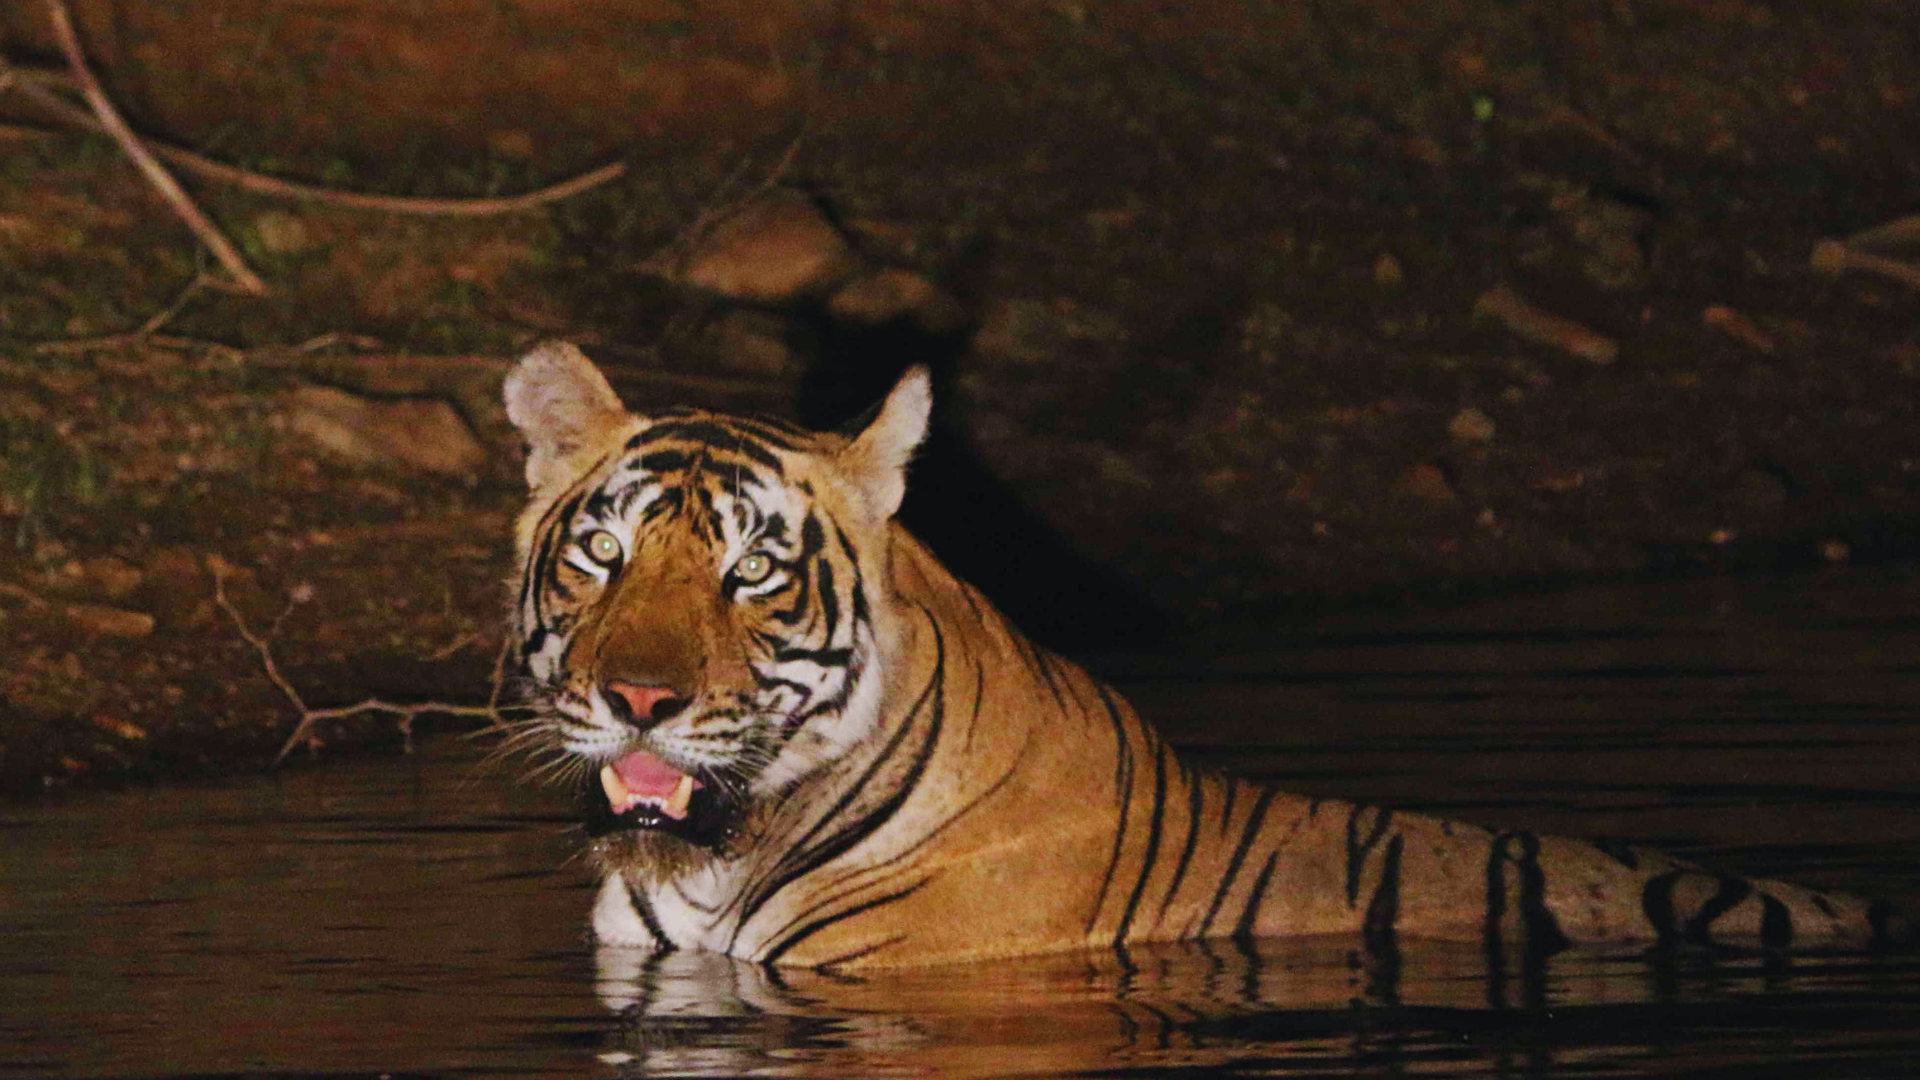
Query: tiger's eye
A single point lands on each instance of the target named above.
(754, 568)
(603, 547)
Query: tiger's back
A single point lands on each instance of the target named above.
(815, 746)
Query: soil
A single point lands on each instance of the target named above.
(1209, 352)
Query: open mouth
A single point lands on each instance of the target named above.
(648, 788)
(642, 794)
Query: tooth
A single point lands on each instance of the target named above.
(676, 807)
(618, 797)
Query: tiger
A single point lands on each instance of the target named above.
(802, 741)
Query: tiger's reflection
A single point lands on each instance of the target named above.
(1176, 1005)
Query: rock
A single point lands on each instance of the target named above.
(281, 233)
(124, 728)
(773, 251)
(110, 621)
(750, 343)
(417, 434)
(1387, 272)
(890, 240)
(893, 293)
(116, 579)
(1019, 329)
(1029, 331)
(176, 583)
(513, 143)
(1428, 483)
(1471, 426)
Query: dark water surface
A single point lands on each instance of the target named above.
(414, 916)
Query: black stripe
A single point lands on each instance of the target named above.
(665, 461)
(717, 436)
(772, 430)
(1383, 911)
(802, 585)
(549, 532)
(1244, 927)
(1699, 929)
(1543, 934)
(1195, 794)
(643, 907)
(533, 643)
(829, 600)
(1123, 789)
(665, 504)
(1255, 818)
(1152, 855)
(1042, 662)
(824, 657)
(800, 859)
(774, 682)
(979, 701)
(825, 967)
(1358, 849)
(1776, 923)
(773, 955)
(812, 539)
(1656, 903)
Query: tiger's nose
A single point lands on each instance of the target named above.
(643, 705)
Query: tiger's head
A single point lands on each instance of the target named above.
(702, 604)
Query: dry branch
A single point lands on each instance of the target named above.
(209, 169)
(674, 253)
(303, 732)
(162, 181)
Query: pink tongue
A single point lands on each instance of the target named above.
(647, 775)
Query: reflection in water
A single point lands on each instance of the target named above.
(1290, 1008)
(412, 916)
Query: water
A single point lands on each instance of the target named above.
(415, 916)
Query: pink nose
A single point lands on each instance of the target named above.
(646, 703)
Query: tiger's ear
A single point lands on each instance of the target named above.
(876, 460)
(560, 402)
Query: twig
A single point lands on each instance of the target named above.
(1833, 257)
(1542, 328)
(92, 344)
(1739, 327)
(309, 718)
(21, 592)
(155, 174)
(1900, 232)
(286, 189)
(120, 341)
(179, 304)
(452, 647)
(338, 337)
(143, 337)
(683, 244)
(33, 75)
